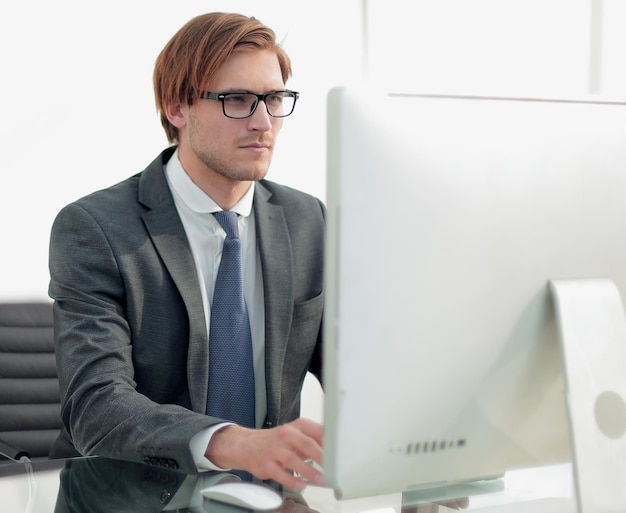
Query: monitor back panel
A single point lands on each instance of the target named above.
(447, 216)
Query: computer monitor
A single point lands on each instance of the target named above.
(447, 218)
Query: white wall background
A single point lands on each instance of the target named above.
(521, 47)
(78, 110)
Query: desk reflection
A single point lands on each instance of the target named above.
(100, 485)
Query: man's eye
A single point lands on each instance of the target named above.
(236, 98)
(274, 99)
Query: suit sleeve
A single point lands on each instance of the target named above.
(102, 410)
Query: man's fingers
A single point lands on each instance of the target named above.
(307, 472)
(305, 439)
(284, 476)
(311, 429)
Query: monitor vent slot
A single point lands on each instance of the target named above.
(430, 446)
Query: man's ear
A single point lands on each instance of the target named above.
(176, 114)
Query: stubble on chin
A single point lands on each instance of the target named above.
(238, 171)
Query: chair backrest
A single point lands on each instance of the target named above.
(29, 388)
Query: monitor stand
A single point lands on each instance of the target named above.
(446, 493)
(592, 325)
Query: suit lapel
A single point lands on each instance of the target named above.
(168, 235)
(276, 262)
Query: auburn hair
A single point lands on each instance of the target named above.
(190, 59)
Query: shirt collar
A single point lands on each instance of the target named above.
(194, 197)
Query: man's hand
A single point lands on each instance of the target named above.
(271, 453)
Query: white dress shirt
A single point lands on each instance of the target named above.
(206, 239)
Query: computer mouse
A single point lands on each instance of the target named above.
(244, 495)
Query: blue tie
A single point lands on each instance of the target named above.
(231, 373)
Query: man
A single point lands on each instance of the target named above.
(134, 267)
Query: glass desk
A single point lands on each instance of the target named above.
(98, 485)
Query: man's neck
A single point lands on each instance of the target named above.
(226, 192)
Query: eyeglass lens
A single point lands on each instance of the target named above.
(242, 105)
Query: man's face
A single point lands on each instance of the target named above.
(214, 147)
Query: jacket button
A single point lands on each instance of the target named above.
(165, 497)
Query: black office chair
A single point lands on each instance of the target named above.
(29, 388)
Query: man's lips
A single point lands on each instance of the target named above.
(256, 147)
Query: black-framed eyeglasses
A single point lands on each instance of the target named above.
(240, 105)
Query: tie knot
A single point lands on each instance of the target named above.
(228, 221)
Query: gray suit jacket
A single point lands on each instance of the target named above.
(131, 339)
